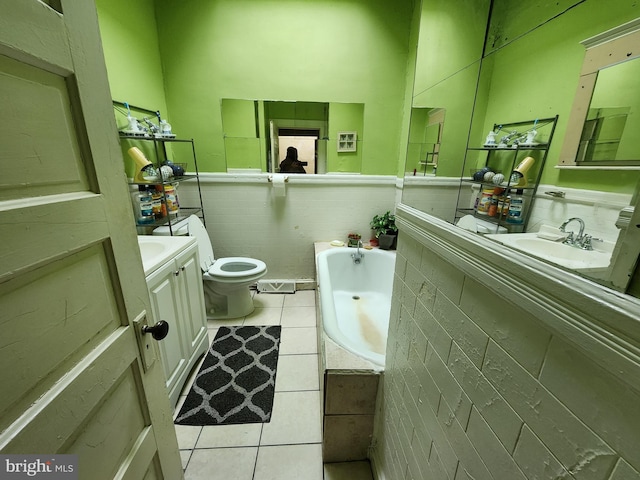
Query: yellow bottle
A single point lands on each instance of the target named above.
(519, 175)
(144, 168)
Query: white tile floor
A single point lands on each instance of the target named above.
(288, 447)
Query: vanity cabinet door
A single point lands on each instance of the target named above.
(164, 292)
(194, 325)
(175, 290)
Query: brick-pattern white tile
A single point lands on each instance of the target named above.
(475, 387)
(557, 427)
(599, 400)
(243, 218)
(624, 472)
(506, 423)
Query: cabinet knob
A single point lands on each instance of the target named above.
(158, 331)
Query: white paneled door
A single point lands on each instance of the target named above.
(75, 377)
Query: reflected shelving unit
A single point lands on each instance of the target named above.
(495, 202)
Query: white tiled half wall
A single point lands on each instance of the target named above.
(476, 388)
(245, 218)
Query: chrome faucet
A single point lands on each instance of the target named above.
(580, 233)
(358, 255)
(581, 241)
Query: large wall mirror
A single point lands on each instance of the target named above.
(327, 136)
(605, 116)
(444, 96)
(523, 64)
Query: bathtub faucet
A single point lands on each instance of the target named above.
(358, 256)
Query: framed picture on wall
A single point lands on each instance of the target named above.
(347, 141)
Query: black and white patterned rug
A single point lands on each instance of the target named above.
(236, 381)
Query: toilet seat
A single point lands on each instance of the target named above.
(224, 270)
(236, 269)
(228, 269)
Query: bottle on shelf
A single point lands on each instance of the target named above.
(485, 201)
(171, 197)
(516, 208)
(493, 206)
(157, 202)
(142, 206)
(503, 206)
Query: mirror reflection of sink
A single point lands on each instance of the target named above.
(557, 252)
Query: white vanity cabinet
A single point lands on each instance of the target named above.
(175, 290)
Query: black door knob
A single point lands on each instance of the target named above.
(158, 331)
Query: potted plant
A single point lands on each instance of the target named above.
(353, 239)
(384, 227)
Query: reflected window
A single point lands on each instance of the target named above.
(602, 133)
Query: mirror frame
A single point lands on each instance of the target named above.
(609, 48)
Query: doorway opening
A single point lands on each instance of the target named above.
(305, 141)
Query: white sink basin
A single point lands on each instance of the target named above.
(151, 249)
(556, 252)
(156, 250)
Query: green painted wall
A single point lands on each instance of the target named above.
(297, 110)
(130, 43)
(239, 118)
(240, 130)
(320, 51)
(345, 117)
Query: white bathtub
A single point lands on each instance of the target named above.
(355, 300)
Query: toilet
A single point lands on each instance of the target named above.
(226, 280)
(477, 225)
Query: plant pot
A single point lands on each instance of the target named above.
(387, 242)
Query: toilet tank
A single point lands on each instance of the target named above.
(474, 224)
(179, 229)
(488, 227)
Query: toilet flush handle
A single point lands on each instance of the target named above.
(158, 331)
